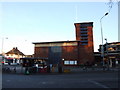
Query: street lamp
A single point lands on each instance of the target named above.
(102, 48)
(3, 43)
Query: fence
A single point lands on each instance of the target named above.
(65, 69)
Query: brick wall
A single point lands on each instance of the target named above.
(41, 52)
(70, 53)
(82, 53)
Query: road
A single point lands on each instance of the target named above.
(100, 79)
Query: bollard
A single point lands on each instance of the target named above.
(27, 71)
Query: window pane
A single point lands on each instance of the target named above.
(66, 62)
(71, 62)
(83, 29)
(75, 62)
(85, 43)
(86, 25)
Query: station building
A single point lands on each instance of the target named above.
(76, 52)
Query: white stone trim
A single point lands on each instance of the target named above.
(56, 44)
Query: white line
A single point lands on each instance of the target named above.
(101, 85)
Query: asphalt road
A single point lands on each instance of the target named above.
(55, 80)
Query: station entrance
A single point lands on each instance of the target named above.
(44, 65)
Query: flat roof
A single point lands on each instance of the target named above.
(110, 43)
(84, 23)
(55, 42)
(113, 42)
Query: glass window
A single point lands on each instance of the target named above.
(66, 62)
(86, 25)
(118, 47)
(83, 29)
(84, 32)
(84, 39)
(71, 62)
(85, 43)
(75, 62)
(84, 35)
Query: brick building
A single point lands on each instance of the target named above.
(111, 53)
(79, 51)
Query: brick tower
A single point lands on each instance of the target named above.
(84, 34)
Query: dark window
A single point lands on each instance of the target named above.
(83, 29)
(84, 44)
(84, 34)
(85, 25)
(118, 47)
(84, 37)
(85, 41)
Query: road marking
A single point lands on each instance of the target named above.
(43, 82)
(8, 80)
(99, 84)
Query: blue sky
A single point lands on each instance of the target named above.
(27, 22)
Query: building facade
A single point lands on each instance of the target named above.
(111, 53)
(14, 53)
(79, 51)
(84, 33)
(13, 56)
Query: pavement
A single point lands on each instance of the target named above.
(106, 80)
(76, 78)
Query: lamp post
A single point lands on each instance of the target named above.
(3, 43)
(102, 48)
